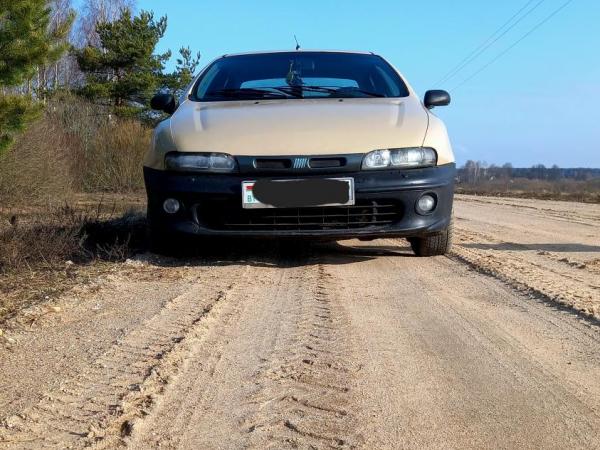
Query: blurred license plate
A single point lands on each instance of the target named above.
(298, 193)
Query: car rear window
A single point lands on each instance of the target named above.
(290, 75)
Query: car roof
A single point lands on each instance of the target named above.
(298, 51)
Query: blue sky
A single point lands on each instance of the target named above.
(537, 104)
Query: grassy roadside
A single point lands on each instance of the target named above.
(587, 191)
(46, 250)
(70, 200)
(563, 197)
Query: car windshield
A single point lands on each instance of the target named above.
(292, 75)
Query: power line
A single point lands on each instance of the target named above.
(517, 42)
(445, 77)
(491, 40)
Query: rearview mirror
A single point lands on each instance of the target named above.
(164, 102)
(436, 98)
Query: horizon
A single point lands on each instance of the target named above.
(488, 165)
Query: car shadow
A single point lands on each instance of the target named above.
(558, 248)
(273, 253)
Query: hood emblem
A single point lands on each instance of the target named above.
(300, 163)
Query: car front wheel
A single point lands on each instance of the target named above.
(435, 244)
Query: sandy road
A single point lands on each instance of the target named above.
(549, 248)
(349, 345)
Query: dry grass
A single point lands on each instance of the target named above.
(106, 153)
(75, 147)
(46, 244)
(112, 162)
(63, 234)
(42, 250)
(37, 169)
(587, 191)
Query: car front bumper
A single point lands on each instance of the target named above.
(211, 205)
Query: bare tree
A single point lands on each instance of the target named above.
(507, 170)
(62, 71)
(93, 12)
(473, 171)
(555, 173)
(54, 73)
(538, 171)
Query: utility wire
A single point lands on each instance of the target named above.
(495, 37)
(517, 42)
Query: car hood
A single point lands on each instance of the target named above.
(299, 126)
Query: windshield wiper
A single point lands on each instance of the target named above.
(288, 91)
(297, 90)
(362, 91)
(247, 92)
(303, 87)
(293, 91)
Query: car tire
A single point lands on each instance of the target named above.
(434, 245)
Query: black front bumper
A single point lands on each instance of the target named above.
(385, 205)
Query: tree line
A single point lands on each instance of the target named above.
(474, 172)
(102, 51)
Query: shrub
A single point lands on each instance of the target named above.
(63, 233)
(75, 147)
(37, 169)
(106, 151)
(41, 253)
(112, 162)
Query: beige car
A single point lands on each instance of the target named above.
(302, 144)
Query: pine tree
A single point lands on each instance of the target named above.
(26, 43)
(187, 63)
(124, 70)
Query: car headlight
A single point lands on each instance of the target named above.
(400, 158)
(200, 162)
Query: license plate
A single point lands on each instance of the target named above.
(298, 193)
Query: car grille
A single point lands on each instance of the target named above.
(365, 214)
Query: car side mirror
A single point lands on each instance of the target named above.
(164, 102)
(436, 98)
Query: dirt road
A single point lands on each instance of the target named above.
(348, 345)
(545, 247)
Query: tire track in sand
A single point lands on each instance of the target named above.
(283, 376)
(306, 395)
(100, 402)
(522, 271)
